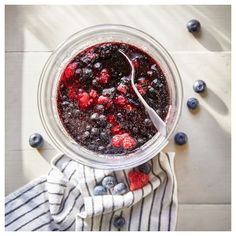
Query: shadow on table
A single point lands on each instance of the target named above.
(215, 102)
(207, 40)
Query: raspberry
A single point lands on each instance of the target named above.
(93, 93)
(128, 107)
(84, 100)
(111, 119)
(72, 93)
(136, 64)
(141, 90)
(137, 180)
(117, 140)
(129, 142)
(122, 88)
(70, 70)
(104, 77)
(120, 100)
(103, 100)
(115, 129)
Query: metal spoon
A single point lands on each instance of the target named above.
(156, 119)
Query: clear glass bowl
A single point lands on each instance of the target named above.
(47, 92)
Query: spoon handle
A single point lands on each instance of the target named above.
(155, 118)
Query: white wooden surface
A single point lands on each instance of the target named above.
(202, 166)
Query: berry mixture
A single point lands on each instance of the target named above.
(97, 105)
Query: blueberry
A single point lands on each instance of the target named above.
(78, 72)
(120, 188)
(181, 138)
(192, 103)
(147, 122)
(86, 134)
(109, 182)
(98, 65)
(35, 140)
(88, 127)
(101, 148)
(87, 72)
(103, 136)
(99, 190)
(102, 120)
(94, 116)
(199, 86)
(94, 131)
(193, 26)
(99, 108)
(119, 222)
(145, 168)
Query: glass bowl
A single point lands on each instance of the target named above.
(54, 67)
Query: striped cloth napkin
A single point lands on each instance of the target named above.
(64, 201)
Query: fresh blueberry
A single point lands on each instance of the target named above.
(94, 116)
(99, 190)
(192, 103)
(199, 86)
(147, 122)
(181, 138)
(94, 131)
(102, 120)
(98, 65)
(193, 26)
(109, 182)
(35, 140)
(87, 72)
(86, 134)
(119, 222)
(119, 189)
(101, 148)
(145, 168)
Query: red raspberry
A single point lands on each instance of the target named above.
(104, 77)
(136, 64)
(72, 93)
(109, 104)
(93, 93)
(111, 119)
(122, 88)
(117, 140)
(129, 142)
(137, 180)
(103, 100)
(70, 70)
(115, 129)
(141, 90)
(84, 100)
(128, 107)
(120, 100)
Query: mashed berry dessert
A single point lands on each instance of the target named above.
(97, 105)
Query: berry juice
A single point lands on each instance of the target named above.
(97, 105)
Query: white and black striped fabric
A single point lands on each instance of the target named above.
(63, 200)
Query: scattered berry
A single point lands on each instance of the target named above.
(181, 138)
(84, 100)
(35, 140)
(137, 180)
(120, 188)
(192, 103)
(99, 190)
(119, 222)
(193, 26)
(109, 182)
(199, 86)
(145, 168)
